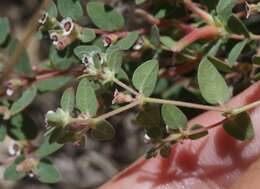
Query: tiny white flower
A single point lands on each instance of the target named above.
(87, 60)
(67, 26)
(31, 174)
(106, 41)
(14, 149)
(54, 36)
(147, 139)
(139, 44)
(43, 18)
(9, 92)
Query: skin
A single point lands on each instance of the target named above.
(215, 161)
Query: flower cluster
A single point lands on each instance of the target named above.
(61, 33)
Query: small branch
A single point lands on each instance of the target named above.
(148, 17)
(199, 12)
(245, 108)
(200, 130)
(121, 84)
(185, 104)
(117, 111)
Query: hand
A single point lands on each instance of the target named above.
(215, 161)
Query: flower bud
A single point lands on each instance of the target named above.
(109, 39)
(120, 98)
(58, 118)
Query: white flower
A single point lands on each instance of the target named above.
(139, 44)
(14, 149)
(87, 60)
(9, 92)
(43, 18)
(67, 26)
(147, 139)
(106, 41)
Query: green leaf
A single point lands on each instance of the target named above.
(167, 41)
(236, 51)
(81, 51)
(150, 153)
(2, 132)
(212, 85)
(47, 148)
(11, 173)
(155, 35)
(224, 9)
(115, 60)
(52, 10)
(138, 2)
(87, 35)
(86, 100)
(59, 118)
(145, 77)
(70, 8)
(46, 172)
(173, 117)
(24, 101)
(104, 17)
(198, 135)
(257, 77)
(240, 127)
(219, 64)
(150, 119)
(4, 29)
(256, 60)
(103, 131)
(128, 41)
(22, 127)
(235, 25)
(53, 84)
(59, 59)
(165, 151)
(68, 100)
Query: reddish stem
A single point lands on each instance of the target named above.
(206, 32)
(199, 12)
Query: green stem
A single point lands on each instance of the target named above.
(121, 84)
(117, 111)
(185, 104)
(245, 108)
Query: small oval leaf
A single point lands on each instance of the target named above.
(240, 127)
(173, 117)
(236, 51)
(103, 131)
(104, 17)
(70, 8)
(235, 25)
(145, 77)
(46, 172)
(24, 101)
(68, 100)
(86, 100)
(212, 85)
